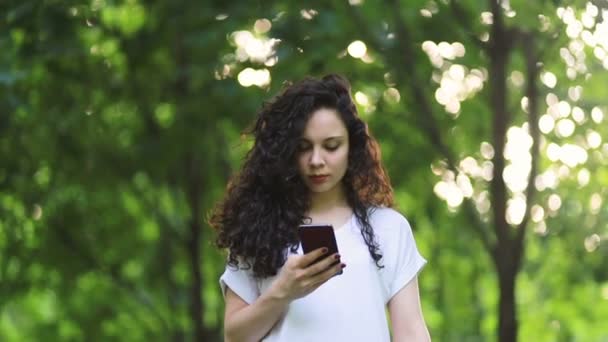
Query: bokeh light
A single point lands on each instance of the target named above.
(357, 49)
(249, 77)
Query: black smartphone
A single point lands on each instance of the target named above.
(313, 236)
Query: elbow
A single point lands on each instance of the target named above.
(232, 336)
(229, 335)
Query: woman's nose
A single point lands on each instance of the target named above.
(316, 158)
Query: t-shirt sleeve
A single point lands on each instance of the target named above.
(241, 282)
(406, 261)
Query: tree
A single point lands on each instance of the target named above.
(121, 124)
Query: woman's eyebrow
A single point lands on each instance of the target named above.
(337, 137)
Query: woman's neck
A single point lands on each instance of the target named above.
(322, 202)
(330, 207)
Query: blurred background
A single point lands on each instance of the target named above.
(121, 122)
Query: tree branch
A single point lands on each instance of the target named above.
(463, 20)
(426, 120)
(532, 93)
(497, 18)
(481, 229)
(498, 53)
(370, 38)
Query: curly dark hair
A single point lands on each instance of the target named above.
(267, 200)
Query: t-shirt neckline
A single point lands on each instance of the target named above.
(346, 224)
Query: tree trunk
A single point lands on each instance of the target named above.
(505, 253)
(507, 317)
(194, 192)
(196, 300)
(507, 274)
(167, 262)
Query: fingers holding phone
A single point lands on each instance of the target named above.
(303, 274)
(315, 236)
(320, 267)
(312, 257)
(299, 276)
(317, 265)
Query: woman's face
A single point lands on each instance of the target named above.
(323, 151)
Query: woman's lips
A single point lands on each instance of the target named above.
(318, 179)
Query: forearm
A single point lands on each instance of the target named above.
(419, 335)
(407, 321)
(254, 321)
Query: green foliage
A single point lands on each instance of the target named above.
(121, 123)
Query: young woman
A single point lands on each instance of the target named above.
(313, 161)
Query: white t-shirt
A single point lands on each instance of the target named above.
(351, 306)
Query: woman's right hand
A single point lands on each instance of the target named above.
(299, 276)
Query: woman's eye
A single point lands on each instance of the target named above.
(303, 147)
(332, 147)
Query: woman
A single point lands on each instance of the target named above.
(313, 161)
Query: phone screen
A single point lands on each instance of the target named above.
(315, 236)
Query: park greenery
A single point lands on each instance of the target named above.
(121, 122)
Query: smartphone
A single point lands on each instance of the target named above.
(313, 236)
